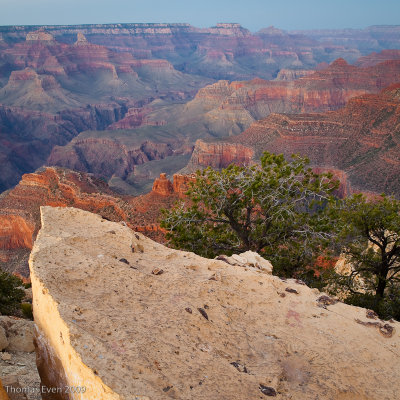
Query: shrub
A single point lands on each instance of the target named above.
(11, 293)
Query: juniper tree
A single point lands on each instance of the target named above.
(369, 233)
(276, 208)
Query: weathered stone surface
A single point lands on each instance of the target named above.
(248, 259)
(19, 332)
(122, 331)
(18, 372)
(3, 339)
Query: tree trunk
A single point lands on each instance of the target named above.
(380, 289)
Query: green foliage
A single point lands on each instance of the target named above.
(276, 208)
(27, 310)
(369, 234)
(11, 294)
(386, 308)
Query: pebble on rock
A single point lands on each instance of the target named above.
(268, 391)
(157, 271)
(202, 311)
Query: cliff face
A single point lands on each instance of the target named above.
(202, 328)
(327, 89)
(359, 140)
(225, 51)
(218, 155)
(107, 157)
(163, 186)
(377, 58)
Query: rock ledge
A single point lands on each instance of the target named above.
(201, 329)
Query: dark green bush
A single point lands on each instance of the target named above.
(27, 310)
(11, 293)
(386, 308)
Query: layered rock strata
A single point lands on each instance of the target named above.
(51, 91)
(218, 110)
(358, 143)
(134, 319)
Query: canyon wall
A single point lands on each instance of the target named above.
(221, 109)
(134, 318)
(218, 155)
(107, 157)
(51, 91)
(360, 141)
(225, 51)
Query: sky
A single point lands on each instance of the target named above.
(252, 14)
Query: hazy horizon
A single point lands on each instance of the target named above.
(253, 14)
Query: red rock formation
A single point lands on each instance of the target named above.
(219, 155)
(377, 58)
(323, 90)
(220, 52)
(163, 196)
(163, 186)
(15, 232)
(181, 183)
(358, 143)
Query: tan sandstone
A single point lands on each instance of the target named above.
(201, 329)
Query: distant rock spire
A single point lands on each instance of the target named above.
(163, 185)
(81, 39)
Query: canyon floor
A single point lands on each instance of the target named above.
(126, 317)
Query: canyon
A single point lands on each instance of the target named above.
(136, 318)
(70, 93)
(59, 81)
(103, 126)
(165, 133)
(359, 143)
(51, 91)
(225, 51)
